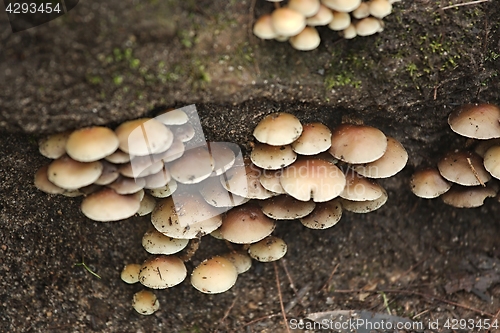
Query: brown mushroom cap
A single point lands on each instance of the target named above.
(155, 242)
(144, 136)
(428, 183)
(145, 302)
(69, 174)
(43, 183)
(306, 40)
(478, 121)
(323, 17)
(314, 179)
(54, 146)
(357, 144)
(278, 129)
(342, 5)
(287, 22)
(315, 138)
(272, 157)
(325, 215)
(492, 161)
(269, 249)
(263, 27)
(107, 205)
(215, 275)
(468, 196)
(130, 273)
(364, 206)
(185, 216)
(270, 180)
(194, 166)
(284, 207)
(246, 224)
(359, 188)
(162, 272)
(464, 168)
(240, 260)
(245, 182)
(393, 161)
(91, 143)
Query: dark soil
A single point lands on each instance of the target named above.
(105, 62)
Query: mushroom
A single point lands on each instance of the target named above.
(148, 203)
(484, 145)
(359, 188)
(157, 180)
(307, 8)
(184, 133)
(69, 174)
(43, 183)
(186, 216)
(216, 195)
(269, 249)
(380, 8)
(54, 146)
(364, 206)
(130, 273)
(164, 191)
(144, 136)
(467, 196)
(322, 17)
(287, 22)
(194, 166)
(215, 275)
(240, 260)
(145, 302)
(345, 6)
(270, 180)
(362, 11)
(272, 157)
(307, 40)
(172, 116)
(244, 181)
(340, 21)
(175, 151)
(315, 138)
(349, 32)
(141, 166)
(263, 27)
(477, 121)
(325, 215)
(464, 168)
(162, 272)
(357, 144)
(246, 224)
(223, 156)
(284, 207)
(278, 129)
(124, 185)
(118, 157)
(368, 26)
(393, 161)
(155, 242)
(492, 161)
(428, 183)
(109, 173)
(90, 144)
(107, 205)
(314, 179)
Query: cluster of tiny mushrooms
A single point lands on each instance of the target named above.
(463, 177)
(296, 22)
(295, 171)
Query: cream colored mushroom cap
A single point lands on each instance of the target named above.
(144, 136)
(357, 144)
(216, 195)
(393, 161)
(193, 167)
(69, 174)
(287, 22)
(340, 21)
(269, 249)
(90, 144)
(307, 40)
(145, 302)
(162, 272)
(157, 180)
(164, 191)
(185, 216)
(314, 179)
(109, 173)
(362, 11)
(467, 197)
(315, 138)
(263, 27)
(246, 224)
(270, 180)
(482, 146)
(155, 242)
(245, 182)
(463, 168)
(43, 183)
(349, 32)
(148, 204)
(307, 8)
(124, 185)
(215, 275)
(240, 260)
(364, 206)
(342, 5)
(323, 17)
(368, 26)
(175, 151)
(428, 183)
(130, 273)
(184, 132)
(477, 121)
(119, 157)
(492, 161)
(380, 8)
(54, 146)
(223, 156)
(107, 205)
(325, 215)
(285, 207)
(172, 116)
(359, 188)
(278, 129)
(272, 157)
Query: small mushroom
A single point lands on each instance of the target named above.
(223, 156)
(172, 116)
(107, 205)
(263, 27)
(428, 183)
(148, 203)
(315, 138)
(130, 273)
(216, 195)
(54, 146)
(306, 40)
(141, 166)
(325, 215)
(359, 188)
(109, 173)
(145, 302)
(164, 191)
(345, 6)
(193, 167)
(278, 129)
(244, 181)
(362, 11)
(380, 8)
(270, 180)
(155, 242)
(43, 183)
(144, 136)
(90, 144)
(157, 180)
(269, 249)
(287, 22)
(323, 17)
(393, 161)
(118, 157)
(492, 161)
(162, 272)
(477, 121)
(124, 185)
(368, 26)
(272, 157)
(214, 276)
(340, 21)
(464, 168)
(184, 133)
(284, 207)
(69, 174)
(467, 196)
(364, 206)
(240, 260)
(307, 8)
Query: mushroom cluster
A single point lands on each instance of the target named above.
(463, 177)
(298, 19)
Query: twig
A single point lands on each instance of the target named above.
(301, 293)
(465, 4)
(475, 172)
(327, 283)
(280, 296)
(256, 320)
(226, 314)
(292, 285)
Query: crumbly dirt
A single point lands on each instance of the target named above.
(109, 61)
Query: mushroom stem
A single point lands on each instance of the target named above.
(191, 249)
